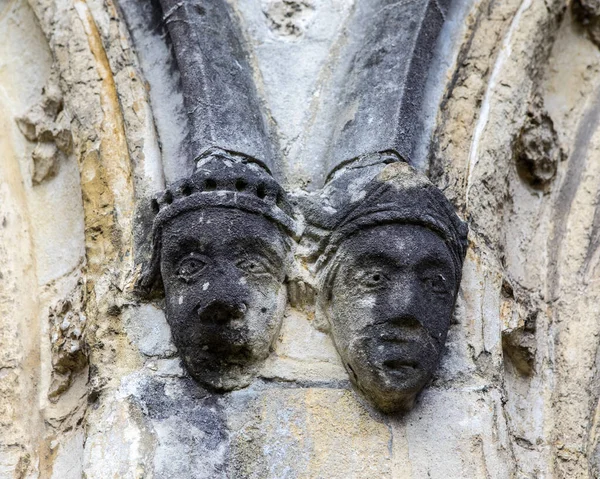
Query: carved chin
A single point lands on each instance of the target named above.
(221, 356)
(389, 375)
(232, 368)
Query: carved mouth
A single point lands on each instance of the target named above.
(394, 338)
(400, 365)
(210, 338)
(201, 359)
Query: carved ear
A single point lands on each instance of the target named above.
(149, 284)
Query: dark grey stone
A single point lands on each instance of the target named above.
(154, 51)
(385, 66)
(386, 245)
(219, 91)
(189, 425)
(222, 248)
(389, 270)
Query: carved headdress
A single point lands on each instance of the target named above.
(397, 193)
(222, 179)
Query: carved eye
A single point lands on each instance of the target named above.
(253, 266)
(372, 279)
(436, 283)
(189, 267)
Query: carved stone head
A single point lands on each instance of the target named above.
(222, 248)
(390, 278)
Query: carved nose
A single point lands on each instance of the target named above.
(403, 302)
(222, 312)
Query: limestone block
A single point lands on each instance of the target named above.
(149, 331)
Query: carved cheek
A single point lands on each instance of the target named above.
(185, 298)
(350, 314)
(362, 311)
(443, 316)
(178, 292)
(261, 301)
(181, 306)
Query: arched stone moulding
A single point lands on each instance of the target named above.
(489, 410)
(43, 253)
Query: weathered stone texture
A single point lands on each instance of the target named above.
(516, 394)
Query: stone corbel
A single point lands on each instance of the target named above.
(388, 275)
(222, 247)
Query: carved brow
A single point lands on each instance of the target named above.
(379, 257)
(435, 264)
(182, 245)
(272, 255)
(386, 259)
(429, 261)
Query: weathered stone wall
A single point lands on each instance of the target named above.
(90, 382)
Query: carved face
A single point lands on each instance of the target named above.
(390, 308)
(223, 272)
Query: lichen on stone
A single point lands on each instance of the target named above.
(288, 18)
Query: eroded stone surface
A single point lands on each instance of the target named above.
(289, 18)
(537, 149)
(480, 416)
(222, 245)
(150, 331)
(588, 13)
(67, 337)
(388, 277)
(48, 125)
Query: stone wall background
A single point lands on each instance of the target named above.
(90, 384)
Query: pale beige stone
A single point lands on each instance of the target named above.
(533, 260)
